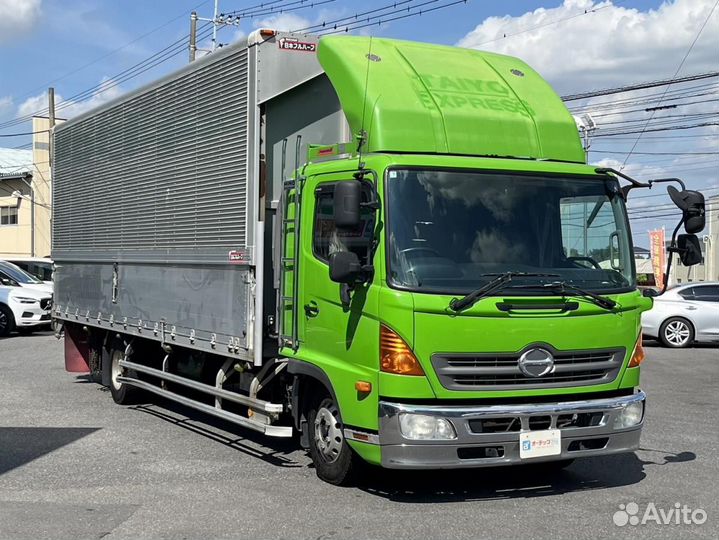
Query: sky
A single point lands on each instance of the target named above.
(82, 48)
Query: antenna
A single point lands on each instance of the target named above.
(362, 135)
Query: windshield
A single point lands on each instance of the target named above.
(17, 274)
(453, 231)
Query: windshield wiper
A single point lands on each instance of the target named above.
(499, 282)
(563, 287)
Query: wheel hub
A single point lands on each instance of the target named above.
(328, 434)
(116, 369)
(677, 333)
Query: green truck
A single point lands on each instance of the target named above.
(395, 250)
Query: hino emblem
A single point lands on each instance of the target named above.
(536, 362)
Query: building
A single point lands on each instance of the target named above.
(708, 269)
(26, 196)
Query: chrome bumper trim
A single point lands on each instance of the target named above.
(399, 452)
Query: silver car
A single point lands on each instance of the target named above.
(684, 314)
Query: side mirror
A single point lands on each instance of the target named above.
(689, 249)
(345, 267)
(691, 203)
(348, 197)
(650, 293)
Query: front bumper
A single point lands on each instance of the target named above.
(28, 315)
(484, 449)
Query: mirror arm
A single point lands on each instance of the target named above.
(634, 183)
(671, 250)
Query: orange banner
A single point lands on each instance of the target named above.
(658, 252)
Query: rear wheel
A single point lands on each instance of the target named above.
(676, 332)
(122, 393)
(332, 457)
(7, 321)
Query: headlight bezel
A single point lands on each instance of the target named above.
(425, 427)
(25, 300)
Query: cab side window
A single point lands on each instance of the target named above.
(327, 238)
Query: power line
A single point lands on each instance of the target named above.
(671, 128)
(640, 86)
(354, 17)
(681, 64)
(550, 23)
(22, 134)
(379, 20)
(660, 153)
(152, 61)
(114, 51)
(279, 9)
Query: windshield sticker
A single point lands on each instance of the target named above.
(287, 44)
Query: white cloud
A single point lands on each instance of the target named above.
(283, 22)
(17, 16)
(609, 45)
(70, 108)
(5, 103)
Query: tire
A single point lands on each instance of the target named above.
(676, 332)
(335, 462)
(7, 321)
(122, 394)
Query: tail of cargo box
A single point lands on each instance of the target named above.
(165, 199)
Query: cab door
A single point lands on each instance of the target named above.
(342, 339)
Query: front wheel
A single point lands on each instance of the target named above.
(677, 333)
(332, 457)
(7, 320)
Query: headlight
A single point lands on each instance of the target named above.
(421, 427)
(24, 300)
(630, 416)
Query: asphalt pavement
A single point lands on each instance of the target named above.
(75, 465)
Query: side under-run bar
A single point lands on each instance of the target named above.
(255, 404)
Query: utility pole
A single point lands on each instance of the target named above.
(51, 120)
(218, 19)
(193, 35)
(214, 25)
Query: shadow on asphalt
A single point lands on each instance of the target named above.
(656, 345)
(20, 445)
(271, 450)
(27, 334)
(522, 481)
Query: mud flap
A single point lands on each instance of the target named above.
(77, 351)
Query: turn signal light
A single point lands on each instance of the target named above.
(396, 356)
(638, 354)
(364, 387)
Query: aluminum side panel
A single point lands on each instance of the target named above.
(198, 301)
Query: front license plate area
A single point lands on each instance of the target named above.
(547, 442)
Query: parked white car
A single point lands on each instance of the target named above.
(12, 275)
(40, 267)
(684, 314)
(23, 308)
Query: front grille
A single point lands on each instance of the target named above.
(513, 424)
(501, 371)
(46, 303)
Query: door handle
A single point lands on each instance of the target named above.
(312, 309)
